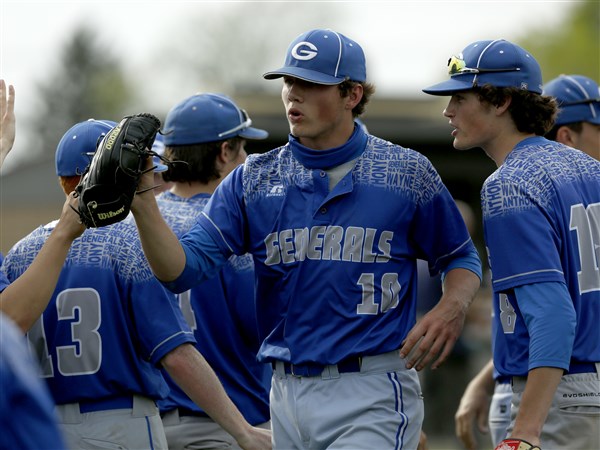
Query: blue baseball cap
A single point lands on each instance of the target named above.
(77, 146)
(208, 118)
(499, 63)
(323, 57)
(159, 148)
(578, 99)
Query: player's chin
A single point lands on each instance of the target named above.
(460, 144)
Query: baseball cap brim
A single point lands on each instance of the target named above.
(253, 133)
(303, 74)
(450, 86)
(586, 112)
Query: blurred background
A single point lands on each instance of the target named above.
(70, 61)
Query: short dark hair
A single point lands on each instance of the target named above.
(368, 89)
(198, 161)
(576, 127)
(531, 112)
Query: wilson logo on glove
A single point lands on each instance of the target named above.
(109, 183)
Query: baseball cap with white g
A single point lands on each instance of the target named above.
(578, 99)
(323, 57)
(497, 62)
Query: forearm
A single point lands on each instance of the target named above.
(25, 299)
(161, 247)
(192, 373)
(535, 403)
(25, 304)
(460, 287)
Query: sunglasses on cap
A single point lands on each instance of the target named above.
(457, 66)
(247, 122)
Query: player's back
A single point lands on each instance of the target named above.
(109, 321)
(221, 312)
(550, 194)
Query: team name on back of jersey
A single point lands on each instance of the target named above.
(332, 242)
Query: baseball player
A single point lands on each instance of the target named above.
(578, 122)
(17, 300)
(335, 220)
(220, 311)
(109, 329)
(540, 214)
(577, 125)
(27, 417)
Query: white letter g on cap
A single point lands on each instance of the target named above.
(304, 53)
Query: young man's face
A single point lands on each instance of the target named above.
(473, 121)
(588, 140)
(316, 112)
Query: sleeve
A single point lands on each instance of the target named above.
(224, 216)
(3, 281)
(469, 261)
(158, 319)
(522, 244)
(439, 230)
(203, 260)
(550, 319)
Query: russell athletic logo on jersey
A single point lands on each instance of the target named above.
(304, 51)
(335, 243)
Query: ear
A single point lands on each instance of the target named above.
(503, 107)
(564, 136)
(355, 96)
(224, 154)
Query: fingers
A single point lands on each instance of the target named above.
(7, 99)
(464, 431)
(482, 422)
(2, 98)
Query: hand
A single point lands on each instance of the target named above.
(7, 120)
(434, 335)
(145, 187)
(256, 439)
(70, 222)
(474, 406)
(422, 441)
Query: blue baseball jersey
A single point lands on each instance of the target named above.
(3, 281)
(336, 270)
(541, 214)
(109, 321)
(27, 418)
(221, 312)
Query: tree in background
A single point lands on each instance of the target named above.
(572, 47)
(230, 53)
(87, 82)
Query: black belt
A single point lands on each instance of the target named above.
(185, 413)
(106, 404)
(582, 367)
(351, 364)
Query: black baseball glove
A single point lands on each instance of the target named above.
(109, 183)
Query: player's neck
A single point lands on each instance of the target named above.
(188, 190)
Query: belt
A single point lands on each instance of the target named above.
(351, 364)
(87, 406)
(184, 413)
(503, 379)
(582, 367)
(190, 413)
